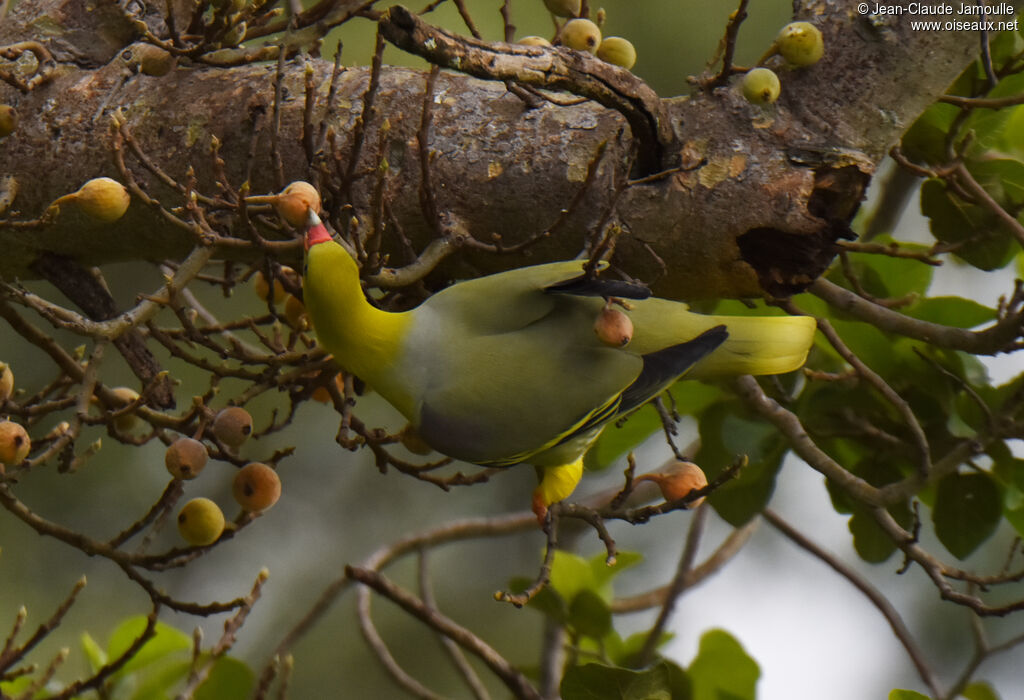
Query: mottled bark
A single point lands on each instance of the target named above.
(752, 202)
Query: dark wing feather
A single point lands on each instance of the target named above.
(594, 287)
(660, 369)
(663, 367)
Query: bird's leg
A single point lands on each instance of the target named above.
(556, 484)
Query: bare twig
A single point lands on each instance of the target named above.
(873, 594)
(732, 30)
(466, 671)
(677, 587)
(963, 177)
(11, 654)
(513, 679)
(989, 341)
(544, 575)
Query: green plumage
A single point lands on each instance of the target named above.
(505, 369)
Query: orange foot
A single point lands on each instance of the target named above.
(540, 508)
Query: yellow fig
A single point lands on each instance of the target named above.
(101, 198)
(200, 522)
(126, 421)
(761, 86)
(295, 313)
(262, 289)
(152, 60)
(800, 43)
(563, 8)
(6, 382)
(322, 395)
(14, 443)
(617, 51)
(582, 35)
(533, 41)
(8, 120)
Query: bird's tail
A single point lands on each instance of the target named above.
(757, 345)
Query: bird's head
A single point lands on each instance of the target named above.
(316, 232)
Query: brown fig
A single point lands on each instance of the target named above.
(185, 458)
(613, 327)
(678, 479)
(292, 203)
(256, 487)
(232, 426)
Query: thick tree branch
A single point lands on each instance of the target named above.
(547, 68)
(748, 208)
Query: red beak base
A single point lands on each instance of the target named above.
(316, 232)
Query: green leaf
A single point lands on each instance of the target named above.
(869, 539)
(996, 397)
(1003, 178)
(626, 650)
(726, 433)
(546, 601)
(93, 652)
(907, 695)
(1008, 468)
(571, 574)
(598, 682)
(925, 140)
(615, 441)
(887, 276)
(17, 687)
(166, 640)
(1004, 48)
(1013, 132)
(156, 681)
(604, 573)
(959, 427)
(980, 691)
(967, 509)
(590, 615)
(993, 128)
(951, 311)
(229, 679)
(843, 451)
(1013, 508)
(722, 668)
(986, 244)
(872, 346)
